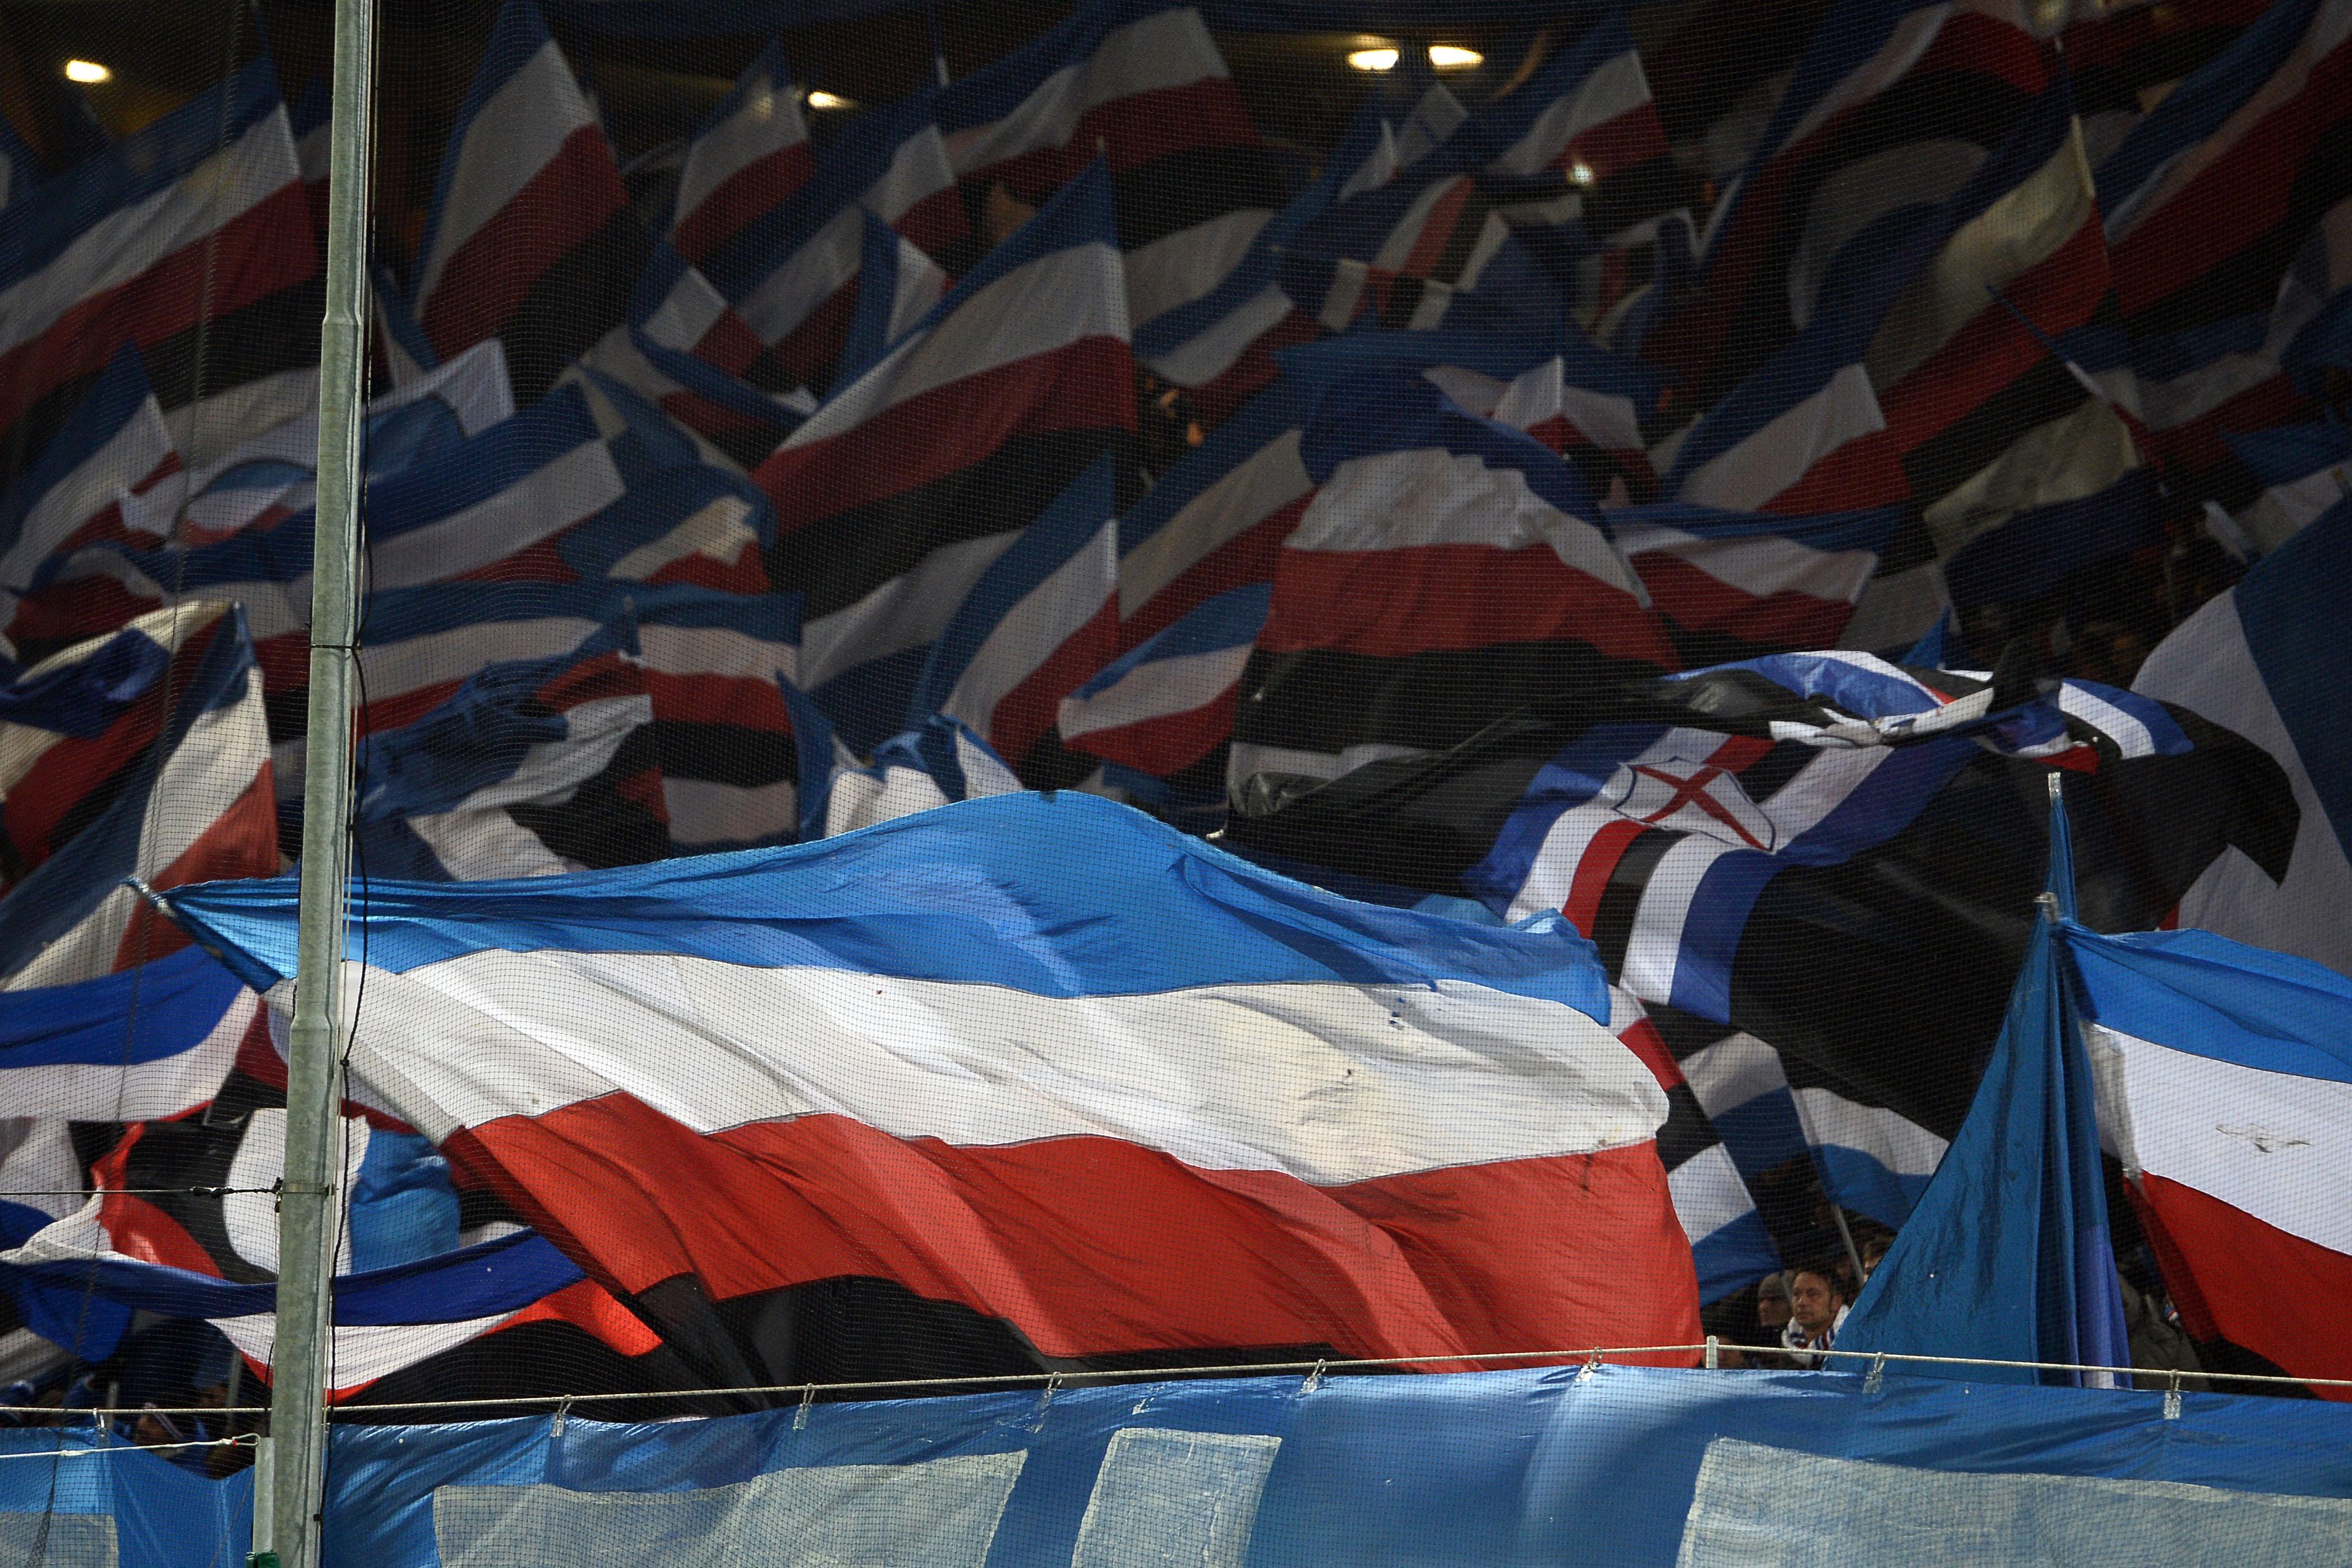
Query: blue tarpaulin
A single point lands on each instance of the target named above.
(1542, 1466)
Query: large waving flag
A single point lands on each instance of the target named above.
(2227, 1095)
(529, 239)
(1449, 570)
(197, 804)
(1733, 852)
(897, 494)
(2009, 1255)
(1035, 1159)
(745, 158)
(2261, 659)
(190, 240)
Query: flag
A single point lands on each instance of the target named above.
(183, 1223)
(195, 806)
(534, 767)
(1042, 618)
(2303, 470)
(1889, 110)
(1139, 83)
(749, 154)
(1731, 1248)
(900, 490)
(1449, 570)
(263, 481)
(1577, 146)
(189, 240)
(682, 347)
(112, 471)
(1864, 959)
(49, 1327)
(1944, 362)
(1590, 412)
(2224, 1080)
(789, 273)
(933, 763)
(2259, 658)
(78, 724)
(1169, 703)
(1219, 347)
(1035, 1162)
(530, 238)
(2008, 1255)
(154, 1041)
(1728, 584)
(2215, 189)
(897, 287)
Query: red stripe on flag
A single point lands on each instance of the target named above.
(262, 250)
(565, 202)
(741, 197)
(1593, 869)
(1387, 604)
(1093, 1246)
(1702, 602)
(241, 842)
(1129, 132)
(1026, 714)
(1086, 385)
(2270, 1290)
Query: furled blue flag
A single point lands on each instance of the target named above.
(2007, 1256)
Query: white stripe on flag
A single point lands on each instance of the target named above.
(1330, 1083)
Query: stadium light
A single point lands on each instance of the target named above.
(1454, 57)
(1379, 59)
(820, 98)
(90, 73)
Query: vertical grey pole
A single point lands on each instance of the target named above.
(297, 1370)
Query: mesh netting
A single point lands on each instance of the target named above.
(1452, 624)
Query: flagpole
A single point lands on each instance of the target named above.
(297, 1370)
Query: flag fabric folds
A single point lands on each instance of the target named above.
(1026, 1201)
(197, 804)
(2008, 1255)
(896, 495)
(529, 239)
(190, 240)
(2259, 658)
(2225, 1085)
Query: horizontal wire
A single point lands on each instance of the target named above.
(243, 1440)
(144, 1193)
(2156, 1382)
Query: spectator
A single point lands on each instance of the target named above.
(1817, 1309)
(1874, 1249)
(1772, 1305)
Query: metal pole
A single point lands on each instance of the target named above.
(298, 1363)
